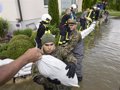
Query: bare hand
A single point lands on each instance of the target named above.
(33, 54)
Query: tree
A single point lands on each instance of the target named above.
(118, 5)
(86, 4)
(54, 11)
(4, 26)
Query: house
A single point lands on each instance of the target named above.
(26, 13)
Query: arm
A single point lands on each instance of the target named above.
(74, 39)
(8, 71)
(65, 54)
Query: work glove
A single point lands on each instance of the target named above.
(55, 81)
(71, 67)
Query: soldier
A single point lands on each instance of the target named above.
(75, 45)
(61, 53)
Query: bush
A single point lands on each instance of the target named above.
(3, 55)
(3, 51)
(26, 31)
(4, 26)
(32, 38)
(3, 47)
(18, 47)
(53, 29)
(19, 37)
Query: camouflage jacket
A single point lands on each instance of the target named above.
(74, 39)
(61, 53)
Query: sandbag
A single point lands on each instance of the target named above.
(54, 68)
(26, 70)
(5, 61)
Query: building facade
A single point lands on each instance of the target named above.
(28, 12)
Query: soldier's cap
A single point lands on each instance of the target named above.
(71, 21)
(46, 38)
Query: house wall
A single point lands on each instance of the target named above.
(31, 10)
(10, 10)
(79, 3)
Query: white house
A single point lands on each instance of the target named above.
(29, 11)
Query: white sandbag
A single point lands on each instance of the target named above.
(54, 68)
(22, 73)
(5, 61)
(87, 31)
(26, 70)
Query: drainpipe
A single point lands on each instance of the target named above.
(20, 12)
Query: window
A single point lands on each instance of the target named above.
(73, 1)
(45, 2)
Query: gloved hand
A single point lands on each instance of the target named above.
(71, 69)
(55, 81)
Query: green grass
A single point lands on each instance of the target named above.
(114, 13)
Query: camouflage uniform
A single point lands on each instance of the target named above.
(63, 54)
(75, 45)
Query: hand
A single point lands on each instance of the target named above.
(55, 81)
(32, 54)
(71, 69)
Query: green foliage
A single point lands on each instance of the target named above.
(118, 5)
(19, 37)
(54, 11)
(53, 29)
(32, 38)
(4, 26)
(3, 54)
(89, 3)
(18, 47)
(26, 31)
(86, 4)
(3, 47)
(114, 13)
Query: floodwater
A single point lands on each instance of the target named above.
(101, 64)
